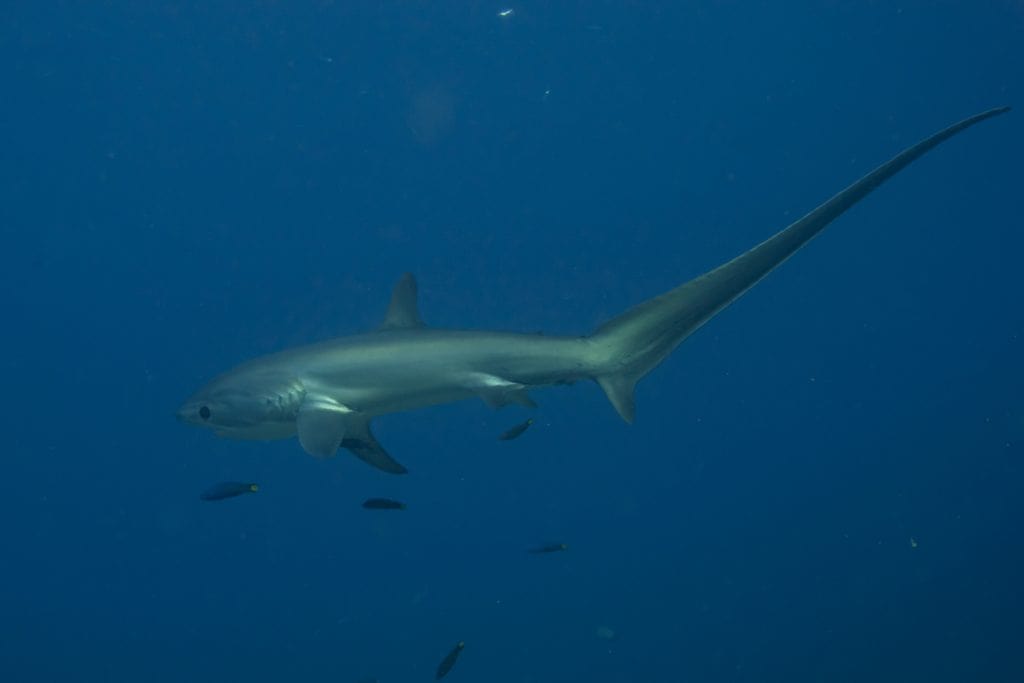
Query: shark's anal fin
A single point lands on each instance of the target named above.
(321, 424)
(403, 312)
(497, 392)
(361, 442)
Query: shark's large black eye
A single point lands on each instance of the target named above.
(204, 412)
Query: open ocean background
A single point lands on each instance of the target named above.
(186, 185)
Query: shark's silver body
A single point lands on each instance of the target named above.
(387, 372)
(327, 393)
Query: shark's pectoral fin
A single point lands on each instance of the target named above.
(321, 424)
(364, 445)
(497, 392)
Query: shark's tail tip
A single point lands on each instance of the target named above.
(981, 116)
(995, 111)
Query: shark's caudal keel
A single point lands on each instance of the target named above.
(328, 393)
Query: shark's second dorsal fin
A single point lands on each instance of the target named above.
(403, 312)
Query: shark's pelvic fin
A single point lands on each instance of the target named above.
(321, 424)
(403, 312)
(498, 393)
(631, 345)
(359, 439)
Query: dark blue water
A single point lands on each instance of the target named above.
(187, 185)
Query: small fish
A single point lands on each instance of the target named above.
(550, 548)
(228, 489)
(383, 504)
(512, 433)
(448, 662)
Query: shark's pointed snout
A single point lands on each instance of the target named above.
(188, 413)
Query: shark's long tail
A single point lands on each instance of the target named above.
(629, 346)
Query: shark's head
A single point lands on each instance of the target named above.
(245, 404)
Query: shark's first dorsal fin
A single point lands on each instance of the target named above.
(403, 312)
